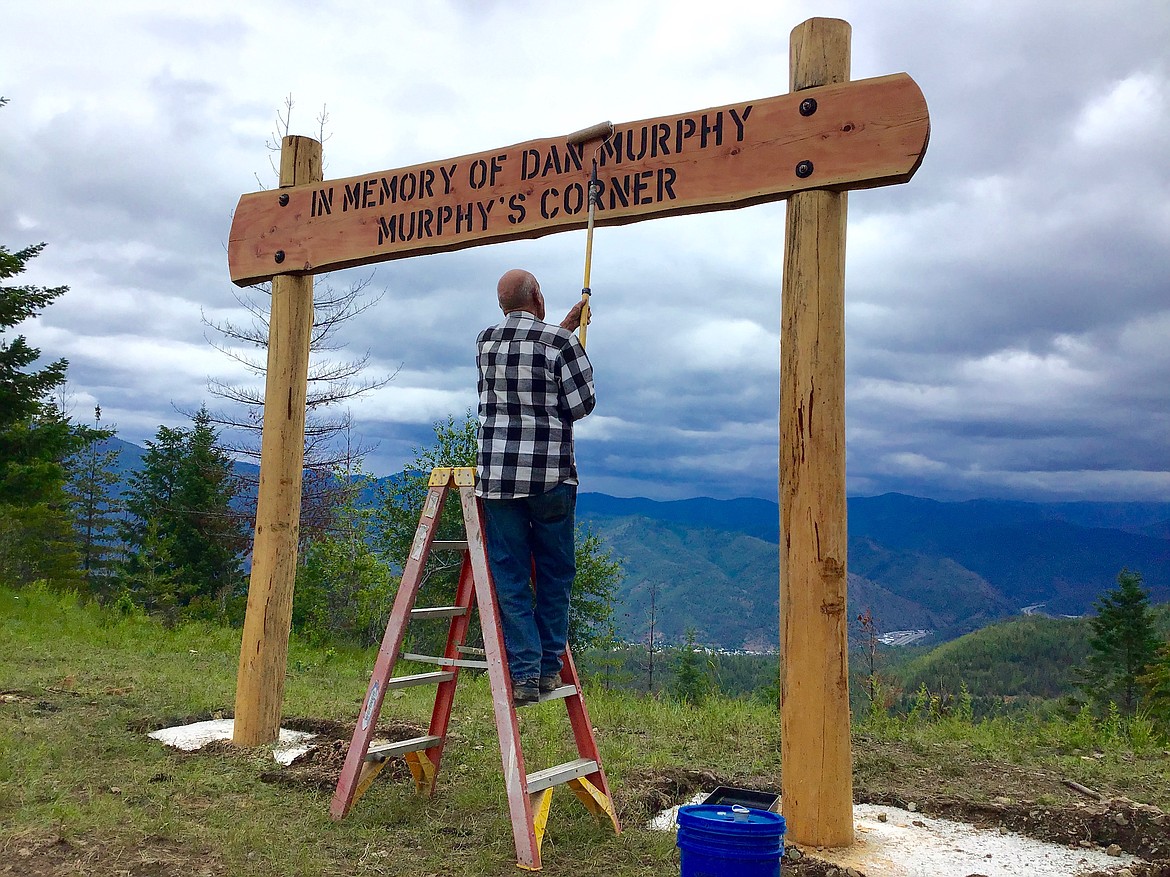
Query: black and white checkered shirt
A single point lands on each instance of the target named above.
(534, 381)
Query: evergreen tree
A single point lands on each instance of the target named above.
(149, 576)
(1123, 645)
(692, 682)
(594, 592)
(35, 439)
(399, 507)
(185, 489)
(1156, 682)
(94, 488)
(402, 497)
(216, 542)
(23, 390)
(344, 590)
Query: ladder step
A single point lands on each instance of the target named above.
(419, 679)
(558, 693)
(449, 545)
(382, 751)
(562, 773)
(445, 662)
(438, 612)
(472, 650)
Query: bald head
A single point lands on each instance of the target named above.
(518, 290)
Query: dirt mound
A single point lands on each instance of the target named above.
(1135, 828)
(320, 767)
(644, 793)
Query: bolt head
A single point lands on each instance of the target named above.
(278, 256)
(808, 106)
(283, 199)
(804, 169)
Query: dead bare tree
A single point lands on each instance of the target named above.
(653, 624)
(333, 380)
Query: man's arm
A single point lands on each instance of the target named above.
(576, 378)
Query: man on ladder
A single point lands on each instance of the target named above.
(534, 382)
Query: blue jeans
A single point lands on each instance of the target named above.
(533, 531)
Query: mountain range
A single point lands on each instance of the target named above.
(948, 567)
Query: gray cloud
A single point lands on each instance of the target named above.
(1006, 310)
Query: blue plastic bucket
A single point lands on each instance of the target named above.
(716, 840)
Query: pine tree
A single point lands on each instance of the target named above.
(185, 490)
(23, 390)
(594, 591)
(94, 489)
(344, 589)
(214, 543)
(692, 682)
(332, 382)
(1156, 682)
(149, 576)
(35, 439)
(1124, 645)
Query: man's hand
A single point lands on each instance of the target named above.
(573, 319)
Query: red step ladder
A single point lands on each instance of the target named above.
(529, 794)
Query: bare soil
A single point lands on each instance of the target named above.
(994, 795)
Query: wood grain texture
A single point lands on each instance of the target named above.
(817, 787)
(862, 134)
(264, 648)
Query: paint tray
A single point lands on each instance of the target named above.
(730, 796)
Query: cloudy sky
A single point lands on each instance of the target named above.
(1008, 310)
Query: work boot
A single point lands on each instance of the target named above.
(525, 692)
(549, 683)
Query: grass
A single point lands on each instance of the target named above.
(76, 763)
(80, 780)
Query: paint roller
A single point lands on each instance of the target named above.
(599, 132)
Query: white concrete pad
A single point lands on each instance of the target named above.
(909, 844)
(667, 820)
(199, 734)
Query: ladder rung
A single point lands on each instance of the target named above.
(558, 692)
(449, 545)
(419, 679)
(382, 751)
(472, 650)
(562, 773)
(438, 612)
(445, 662)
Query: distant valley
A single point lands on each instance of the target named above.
(916, 564)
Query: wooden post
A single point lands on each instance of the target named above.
(816, 778)
(264, 650)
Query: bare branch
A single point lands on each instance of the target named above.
(330, 446)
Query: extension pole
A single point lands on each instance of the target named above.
(586, 292)
(600, 131)
(816, 762)
(264, 649)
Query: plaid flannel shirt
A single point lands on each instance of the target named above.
(534, 381)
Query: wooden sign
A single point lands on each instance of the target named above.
(852, 135)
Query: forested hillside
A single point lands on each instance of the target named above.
(712, 565)
(1014, 664)
(915, 563)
